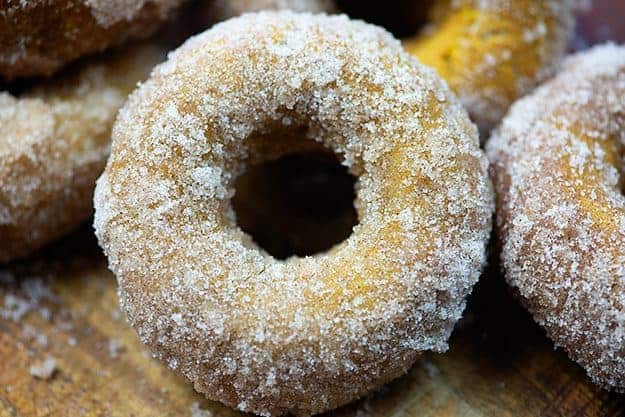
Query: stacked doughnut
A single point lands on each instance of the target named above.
(55, 137)
(556, 164)
(306, 334)
(40, 37)
(54, 141)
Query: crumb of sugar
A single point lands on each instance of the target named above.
(33, 292)
(114, 347)
(31, 333)
(43, 369)
(196, 411)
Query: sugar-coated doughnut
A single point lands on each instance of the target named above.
(225, 9)
(39, 37)
(556, 163)
(305, 334)
(54, 141)
(492, 52)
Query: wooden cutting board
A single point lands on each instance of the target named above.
(62, 306)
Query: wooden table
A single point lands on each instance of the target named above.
(63, 306)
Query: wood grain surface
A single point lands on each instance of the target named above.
(62, 305)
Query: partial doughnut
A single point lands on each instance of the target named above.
(39, 37)
(225, 9)
(492, 52)
(54, 141)
(305, 334)
(556, 164)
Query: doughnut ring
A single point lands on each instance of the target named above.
(492, 52)
(54, 141)
(305, 334)
(40, 37)
(561, 211)
(225, 9)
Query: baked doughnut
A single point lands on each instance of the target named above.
(492, 52)
(305, 334)
(39, 37)
(561, 212)
(54, 141)
(225, 9)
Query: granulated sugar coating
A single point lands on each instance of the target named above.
(493, 51)
(39, 37)
(306, 334)
(54, 141)
(561, 213)
(225, 9)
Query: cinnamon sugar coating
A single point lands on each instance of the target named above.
(54, 141)
(39, 37)
(556, 164)
(305, 334)
(493, 51)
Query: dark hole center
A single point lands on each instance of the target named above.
(299, 204)
(403, 18)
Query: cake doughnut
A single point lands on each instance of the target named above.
(54, 141)
(492, 52)
(225, 9)
(556, 162)
(305, 334)
(39, 37)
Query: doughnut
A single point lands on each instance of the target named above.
(37, 37)
(225, 9)
(54, 141)
(556, 162)
(492, 52)
(304, 334)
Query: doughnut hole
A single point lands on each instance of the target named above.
(298, 204)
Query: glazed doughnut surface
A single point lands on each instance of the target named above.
(305, 334)
(492, 52)
(556, 164)
(39, 37)
(54, 142)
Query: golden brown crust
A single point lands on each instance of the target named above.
(556, 164)
(39, 37)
